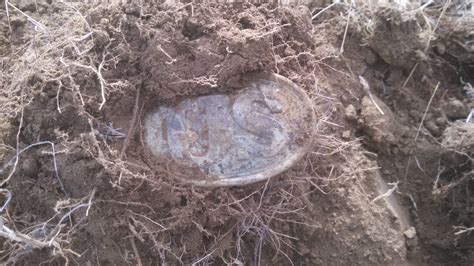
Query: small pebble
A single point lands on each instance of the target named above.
(346, 135)
(410, 233)
(351, 113)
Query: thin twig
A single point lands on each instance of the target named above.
(19, 237)
(135, 250)
(469, 117)
(68, 214)
(32, 20)
(419, 165)
(341, 50)
(57, 96)
(463, 230)
(445, 7)
(429, 2)
(8, 16)
(388, 193)
(324, 9)
(17, 156)
(409, 76)
(131, 130)
(366, 87)
(426, 111)
(9, 197)
(97, 71)
(203, 258)
(440, 171)
(172, 60)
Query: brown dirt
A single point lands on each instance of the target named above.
(319, 212)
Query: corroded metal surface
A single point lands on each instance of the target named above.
(238, 138)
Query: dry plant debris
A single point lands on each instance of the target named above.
(78, 185)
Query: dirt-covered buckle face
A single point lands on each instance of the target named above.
(240, 138)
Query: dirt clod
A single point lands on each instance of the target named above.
(455, 109)
(351, 113)
(410, 233)
(459, 136)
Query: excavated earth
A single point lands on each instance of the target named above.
(391, 103)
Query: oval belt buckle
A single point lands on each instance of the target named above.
(237, 139)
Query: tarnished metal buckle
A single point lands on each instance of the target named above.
(242, 138)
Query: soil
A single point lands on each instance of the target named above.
(78, 79)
